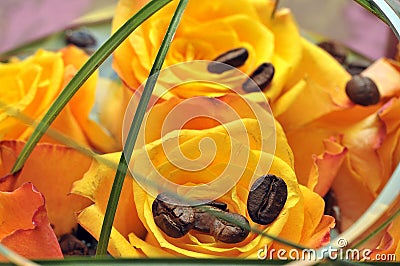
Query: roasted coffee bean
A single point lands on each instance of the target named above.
(217, 204)
(81, 38)
(230, 232)
(204, 219)
(223, 226)
(234, 58)
(362, 90)
(355, 67)
(172, 216)
(260, 78)
(266, 199)
(334, 49)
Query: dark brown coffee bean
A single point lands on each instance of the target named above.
(223, 226)
(172, 216)
(266, 199)
(362, 90)
(81, 38)
(204, 219)
(355, 67)
(233, 58)
(217, 204)
(232, 228)
(260, 78)
(334, 49)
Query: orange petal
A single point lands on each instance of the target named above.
(362, 140)
(52, 169)
(27, 231)
(386, 74)
(389, 152)
(326, 166)
(321, 234)
(352, 194)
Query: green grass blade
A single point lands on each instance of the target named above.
(134, 131)
(83, 74)
(377, 230)
(367, 4)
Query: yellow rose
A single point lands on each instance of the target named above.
(29, 87)
(243, 23)
(135, 232)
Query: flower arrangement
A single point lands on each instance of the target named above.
(229, 135)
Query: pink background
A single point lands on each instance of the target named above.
(22, 21)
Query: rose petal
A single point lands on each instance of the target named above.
(326, 166)
(317, 90)
(82, 102)
(386, 74)
(96, 185)
(52, 169)
(317, 225)
(27, 231)
(287, 40)
(92, 218)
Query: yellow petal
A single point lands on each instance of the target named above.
(315, 225)
(287, 40)
(92, 218)
(96, 185)
(82, 102)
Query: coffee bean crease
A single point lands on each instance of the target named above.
(266, 199)
(260, 78)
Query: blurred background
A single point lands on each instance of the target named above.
(24, 21)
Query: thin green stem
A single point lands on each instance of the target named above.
(83, 74)
(134, 131)
(15, 258)
(373, 9)
(377, 230)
